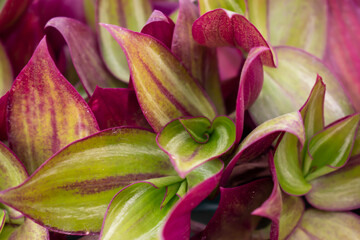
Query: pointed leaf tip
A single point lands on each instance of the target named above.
(164, 88)
(45, 111)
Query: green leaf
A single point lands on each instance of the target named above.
(77, 184)
(258, 11)
(317, 224)
(305, 26)
(292, 211)
(128, 14)
(312, 113)
(164, 88)
(238, 6)
(12, 174)
(338, 191)
(2, 219)
(286, 88)
(6, 75)
(331, 148)
(171, 191)
(288, 167)
(193, 141)
(204, 172)
(135, 212)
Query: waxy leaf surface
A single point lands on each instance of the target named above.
(338, 191)
(135, 212)
(331, 148)
(71, 191)
(238, 6)
(288, 168)
(128, 14)
(263, 136)
(84, 54)
(286, 88)
(317, 224)
(191, 142)
(6, 75)
(160, 27)
(46, 111)
(115, 107)
(305, 26)
(235, 208)
(163, 87)
(201, 182)
(219, 28)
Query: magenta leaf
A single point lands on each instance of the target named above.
(88, 64)
(160, 27)
(3, 105)
(114, 107)
(10, 11)
(224, 28)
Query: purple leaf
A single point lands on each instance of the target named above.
(160, 27)
(3, 105)
(224, 28)
(114, 107)
(10, 11)
(87, 63)
(234, 218)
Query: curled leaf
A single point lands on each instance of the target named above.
(191, 142)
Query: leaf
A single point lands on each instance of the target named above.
(135, 212)
(262, 137)
(164, 89)
(238, 6)
(194, 141)
(88, 64)
(12, 173)
(202, 181)
(258, 15)
(2, 219)
(114, 107)
(235, 208)
(160, 27)
(219, 28)
(331, 148)
(280, 96)
(6, 75)
(338, 191)
(3, 106)
(342, 45)
(77, 183)
(305, 27)
(251, 80)
(121, 13)
(312, 112)
(10, 11)
(29, 230)
(288, 169)
(45, 111)
(317, 224)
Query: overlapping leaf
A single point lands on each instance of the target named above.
(88, 64)
(10, 11)
(136, 212)
(338, 191)
(46, 111)
(6, 76)
(164, 88)
(121, 13)
(238, 6)
(71, 191)
(29, 230)
(191, 142)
